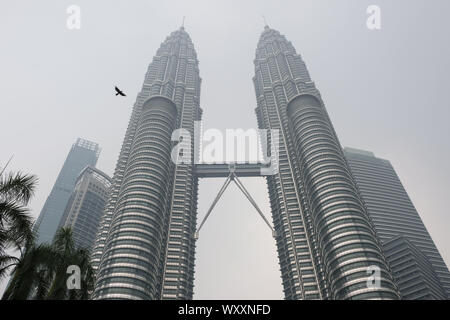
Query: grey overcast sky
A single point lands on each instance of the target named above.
(386, 91)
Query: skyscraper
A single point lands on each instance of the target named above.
(145, 246)
(146, 242)
(325, 240)
(85, 206)
(83, 153)
(399, 226)
(412, 271)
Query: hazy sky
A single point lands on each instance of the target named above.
(386, 91)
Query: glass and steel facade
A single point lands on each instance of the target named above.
(83, 153)
(412, 271)
(325, 240)
(145, 246)
(86, 205)
(394, 215)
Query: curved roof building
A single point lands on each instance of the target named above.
(85, 206)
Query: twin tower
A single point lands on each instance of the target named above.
(327, 247)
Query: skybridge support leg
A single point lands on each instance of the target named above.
(222, 190)
(249, 197)
(233, 176)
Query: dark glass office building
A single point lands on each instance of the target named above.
(83, 153)
(419, 269)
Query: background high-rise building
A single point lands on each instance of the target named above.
(145, 246)
(412, 271)
(85, 206)
(83, 153)
(393, 214)
(324, 237)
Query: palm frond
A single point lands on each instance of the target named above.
(63, 241)
(26, 278)
(17, 187)
(6, 263)
(15, 224)
(41, 272)
(43, 281)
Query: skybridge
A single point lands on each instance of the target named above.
(232, 172)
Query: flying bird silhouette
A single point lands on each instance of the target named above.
(118, 91)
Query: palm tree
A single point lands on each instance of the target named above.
(64, 248)
(83, 258)
(32, 273)
(41, 272)
(16, 222)
(65, 255)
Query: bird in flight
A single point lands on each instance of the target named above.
(118, 91)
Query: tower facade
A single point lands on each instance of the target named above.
(399, 227)
(412, 271)
(326, 242)
(83, 153)
(145, 246)
(146, 241)
(85, 206)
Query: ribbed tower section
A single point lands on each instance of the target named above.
(325, 240)
(145, 248)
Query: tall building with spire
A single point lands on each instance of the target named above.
(146, 242)
(326, 242)
(145, 246)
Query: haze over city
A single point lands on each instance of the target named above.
(385, 92)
